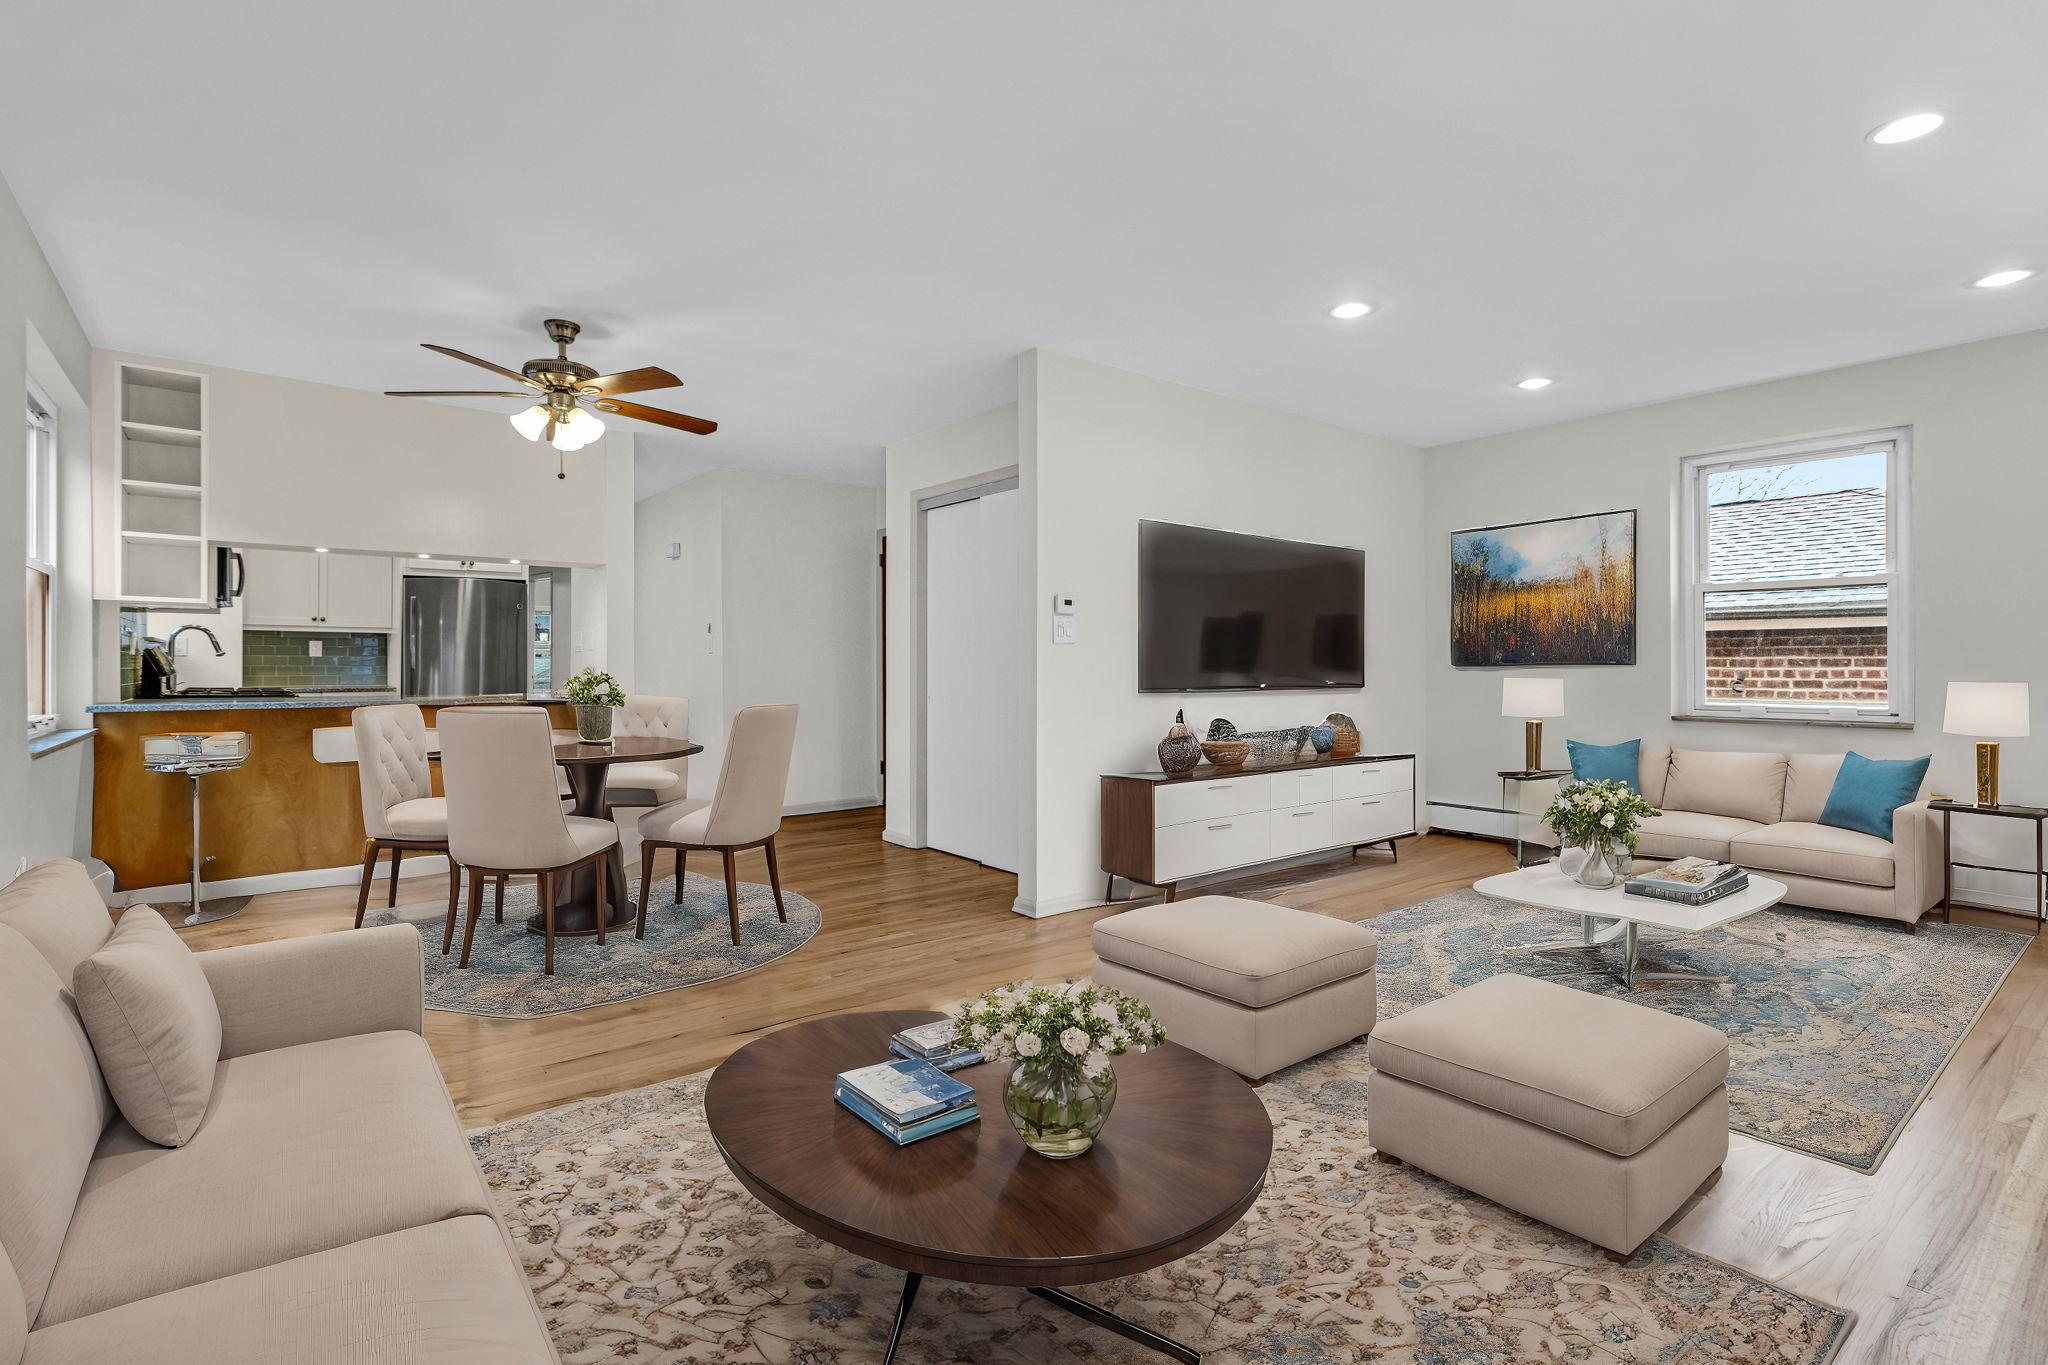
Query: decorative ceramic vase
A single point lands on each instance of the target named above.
(1345, 744)
(1324, 737)
(1596, 862)
(594, 723)
(1055, 1106)
(1179, 751)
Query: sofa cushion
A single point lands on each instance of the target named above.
(1248, 951)
(55, 1107)
(1810, 850)
(303, 1149)
(1621, 762)
(1808, 780)
(153, 1025)
(1689, 834)
(1519, 1046)
(1868, 791)
(450, 1291)
(1743, 786)
(55, 906)
(1655, 772)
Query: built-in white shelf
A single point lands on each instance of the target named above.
(151, 452)
(151, 488)
(162, 537)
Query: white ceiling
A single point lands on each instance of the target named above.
(840, 223)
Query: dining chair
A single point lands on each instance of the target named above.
(744, 812)
(654, 781)
(400, 810)
(504, 817)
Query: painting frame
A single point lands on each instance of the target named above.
(1579, 623)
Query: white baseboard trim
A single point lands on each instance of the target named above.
(899, 838)
(415, 865)
(1045, 907)
(823, 807)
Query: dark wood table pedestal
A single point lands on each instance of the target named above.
(586, 766)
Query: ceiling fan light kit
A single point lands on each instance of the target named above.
(567, 389)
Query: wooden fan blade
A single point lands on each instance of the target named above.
(513, 375)
(661, 417)
(456, 393)
(630, 381)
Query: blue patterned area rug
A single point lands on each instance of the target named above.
(1837, 1026)
(685, 946)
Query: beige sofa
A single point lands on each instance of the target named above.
(1763, 811)
(327, 1208)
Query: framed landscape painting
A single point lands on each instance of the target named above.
(1545, 593)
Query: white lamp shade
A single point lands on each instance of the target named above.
(1532, 697)
(531, 422)
(577, 430)
(1993, 710)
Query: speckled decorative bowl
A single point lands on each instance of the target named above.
(1226, 753)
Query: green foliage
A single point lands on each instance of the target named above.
(593, 688)
(1604, 810)
(1080, 1023)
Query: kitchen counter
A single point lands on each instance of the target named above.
(303, 701)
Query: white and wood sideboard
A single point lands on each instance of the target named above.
(1161, 829)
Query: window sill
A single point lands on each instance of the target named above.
(1802, 720)
(50, 741)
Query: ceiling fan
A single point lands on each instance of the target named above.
(565, 387)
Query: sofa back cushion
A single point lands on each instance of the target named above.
(1655, 767)
(1743, 786)
(13, 1313)
(153, 1023)
(55, 906)
(1808, 780)
(55, 1105)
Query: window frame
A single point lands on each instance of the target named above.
(40, 504)
(1690, 701)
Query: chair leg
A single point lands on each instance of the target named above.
(369, 875)
(498, 908)
(604, 905)
(732, 894)
(396, 854)
(547, 910)
(646, 876)
(476, 912)
(454, 890)
(681, 872)
(775, 881)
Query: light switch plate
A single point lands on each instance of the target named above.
(1065, 630)
(313, 649)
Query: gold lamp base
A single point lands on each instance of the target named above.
(1532, 751)
(1987, 772)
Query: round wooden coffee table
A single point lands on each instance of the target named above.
(1183, 1156)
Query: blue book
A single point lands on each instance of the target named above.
(900, 1134)
(945, 1061)
(907, 1090)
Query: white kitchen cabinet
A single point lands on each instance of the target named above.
(309, 590)
(149, 484)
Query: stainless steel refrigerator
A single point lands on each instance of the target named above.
(464, 637)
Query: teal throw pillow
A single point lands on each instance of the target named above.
(1606, 762)
(1868, 790)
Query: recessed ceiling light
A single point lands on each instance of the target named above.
(2001, 278)
(422, 555)
(1535, 382)
(319, 549)
(1905, 129)
(1347, 312)
(515, 561)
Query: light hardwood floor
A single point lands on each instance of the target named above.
(1943, 1253)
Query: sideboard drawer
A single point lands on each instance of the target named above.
(1300, 829)
(1364, 819)
(1180, 803)
(1300, 789)
(1208, 845)
(1371, 779)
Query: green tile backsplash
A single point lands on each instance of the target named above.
(277, 658)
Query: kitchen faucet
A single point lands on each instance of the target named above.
(171, 645)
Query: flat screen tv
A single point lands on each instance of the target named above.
(1221, 612)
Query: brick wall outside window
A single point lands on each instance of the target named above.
(1843, 665)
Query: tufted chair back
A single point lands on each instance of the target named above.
(391, 761)
(748, 803)
(498, 768)
(663, 717)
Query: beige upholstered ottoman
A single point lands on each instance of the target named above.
(1254, 986)
(1594, 1115)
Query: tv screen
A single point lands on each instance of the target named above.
(1219, 611)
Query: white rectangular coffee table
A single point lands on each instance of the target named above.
(1613, 916)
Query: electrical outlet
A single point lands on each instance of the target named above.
(313, 649)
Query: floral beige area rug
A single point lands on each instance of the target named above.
(640, 1246)
(1837, 1025)
(686, 945)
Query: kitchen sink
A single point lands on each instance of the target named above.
(213, 693)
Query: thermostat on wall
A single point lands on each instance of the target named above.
(1062, 605)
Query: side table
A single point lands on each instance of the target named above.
(2038, 814)
(1521, 775)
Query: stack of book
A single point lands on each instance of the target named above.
(1689, 881)
(938, 1044)
(906, 1099)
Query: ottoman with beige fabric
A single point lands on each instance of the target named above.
(1594, 1115)
(1254, 986)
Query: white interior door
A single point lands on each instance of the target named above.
(972, 651)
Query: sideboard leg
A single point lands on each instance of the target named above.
(911, 1280)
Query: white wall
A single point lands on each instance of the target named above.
(958, 455)
(1106, 449)
(1979, 415)
(783, 573)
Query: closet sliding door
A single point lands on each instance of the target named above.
(972, 660)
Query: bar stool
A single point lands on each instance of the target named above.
(195, 766)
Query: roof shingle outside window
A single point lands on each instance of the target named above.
(1811, 535)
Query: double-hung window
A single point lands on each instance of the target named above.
(1796, 589)
(41, 507)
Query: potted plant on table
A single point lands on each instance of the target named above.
(1059, 1040)
(594, 694)
(1598, 827)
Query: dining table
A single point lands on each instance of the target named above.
(586, 763)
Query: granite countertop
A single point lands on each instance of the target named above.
(310, 699)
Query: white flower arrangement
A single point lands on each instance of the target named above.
(1603, 809)
(1080, 1023)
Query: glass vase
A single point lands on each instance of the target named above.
(1056, 1107)
(1605, 862)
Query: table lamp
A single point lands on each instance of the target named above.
(1986, 708)
(1533, 698)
